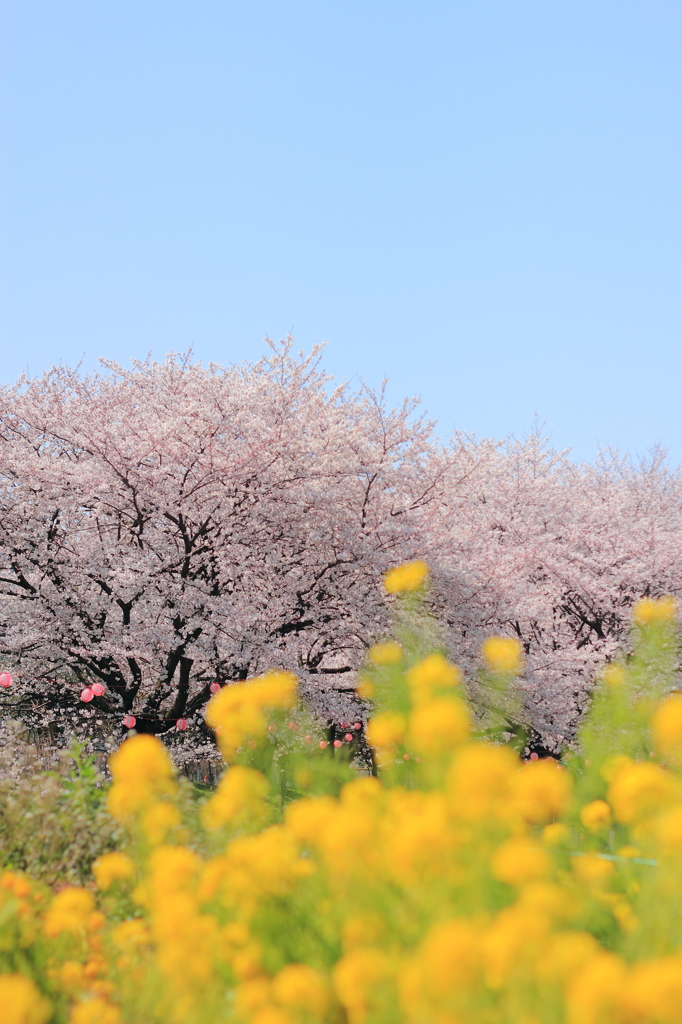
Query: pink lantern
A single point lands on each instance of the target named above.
(214, 687)
(338, 743)
(358, 725)
(97, 689)
(87, 694)
(181, 724)
(129, 721)
(5, 679)
(323, 744)
(348, 737)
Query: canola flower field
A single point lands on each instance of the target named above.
(455, 884)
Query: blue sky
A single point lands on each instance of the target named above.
(479, 200)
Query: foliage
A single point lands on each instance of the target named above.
(53, 824)
(461, 884)
(168, 526)
(171, 525)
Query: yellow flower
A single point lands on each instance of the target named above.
(21, 1001)
(172, 870)
(431, 676)
(564, 954)
(503, 654)
(654, 991)
(666, 726)
(17, 884)
(142, 772)
(512, 942)
(251, 995)
(648, 611)
(542, 790)
(239, 799)
(614, 675)
(638, 789)
(591, 869)
(444, 969)
(112, 867)
(158, 820)
(271, 1015)
(389, 653)
(555, 833)
(359, 978)
(309, 818)
(300, 987)
(71, 976)
(386, 729)
(595, 815)
(239, 712)
(362, 930)
(438, 726)
(95, 1011)
(669, 830)
(450, 956)
(480, 780)
(520, 860)
(69, 911)
(595, 990)
(365, 687)
(407, 577)
(130, 935)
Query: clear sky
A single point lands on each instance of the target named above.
(479, 199)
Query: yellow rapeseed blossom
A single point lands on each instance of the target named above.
(666, 726)
(654, 991)
(298, 987)
(595, 991)
(669, 830)
(438, 726)
(614, 674)
(542, 790)
(555, 833)
(591, 869)
(142, 772)
(309, 818)
(639, 789)
(389, 653)
(445, 968)
(480, 781)
(503, 654)
(238, 713)
(21, 1001)
(130, 935)
(407, 577)
(520, 860)
(459, 886)
(386, 729)
(238, 800)
(430, 677)
(596, 815)
(113, 867)
(95, 1011)
(650, 611)
(158, 819)
(69, 911)
(564, 953)
(360, 979)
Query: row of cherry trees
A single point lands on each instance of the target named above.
(169, 526)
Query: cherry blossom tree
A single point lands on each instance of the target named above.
(530, 544)
(169, 526)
